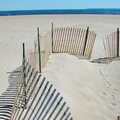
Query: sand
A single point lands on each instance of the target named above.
(91, 90)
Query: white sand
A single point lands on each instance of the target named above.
(91, 90)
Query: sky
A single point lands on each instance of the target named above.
(56, 4)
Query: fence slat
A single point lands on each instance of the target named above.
(117, 42)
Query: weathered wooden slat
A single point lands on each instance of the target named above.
(91, 43)
(86, 37)
(61, 40)
(87, 45)
(112, 49)
(79, 43)
(73, 41)
(76, 40)
(54, 38)
(82, 41)
(93, 40)
(106, 47)
(67, 39)
(57, 41)
(117, 42)
(114, 39)
(109, 47)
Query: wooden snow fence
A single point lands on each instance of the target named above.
(37, 99)
(73, 40)
(111, 45)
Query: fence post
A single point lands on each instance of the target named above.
(24, 76)
(39, 54)
(86, 36)
(52, 37)
(117, 42)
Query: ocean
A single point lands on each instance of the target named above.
(62, 11)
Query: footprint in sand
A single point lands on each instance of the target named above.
(113, 104)
(115, 90)
(113, 97)
(109, 84)
(100, 72)
(106, 75)
(104, 68)
(104, 94)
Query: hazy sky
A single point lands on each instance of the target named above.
(57, 4)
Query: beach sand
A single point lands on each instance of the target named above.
(91, 90)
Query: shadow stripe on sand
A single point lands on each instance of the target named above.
(7, 98)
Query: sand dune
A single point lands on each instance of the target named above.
(90, 89)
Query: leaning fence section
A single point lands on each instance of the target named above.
(111, 45)
(74, 41)
(37, 99)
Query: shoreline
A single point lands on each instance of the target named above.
(63, 11)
